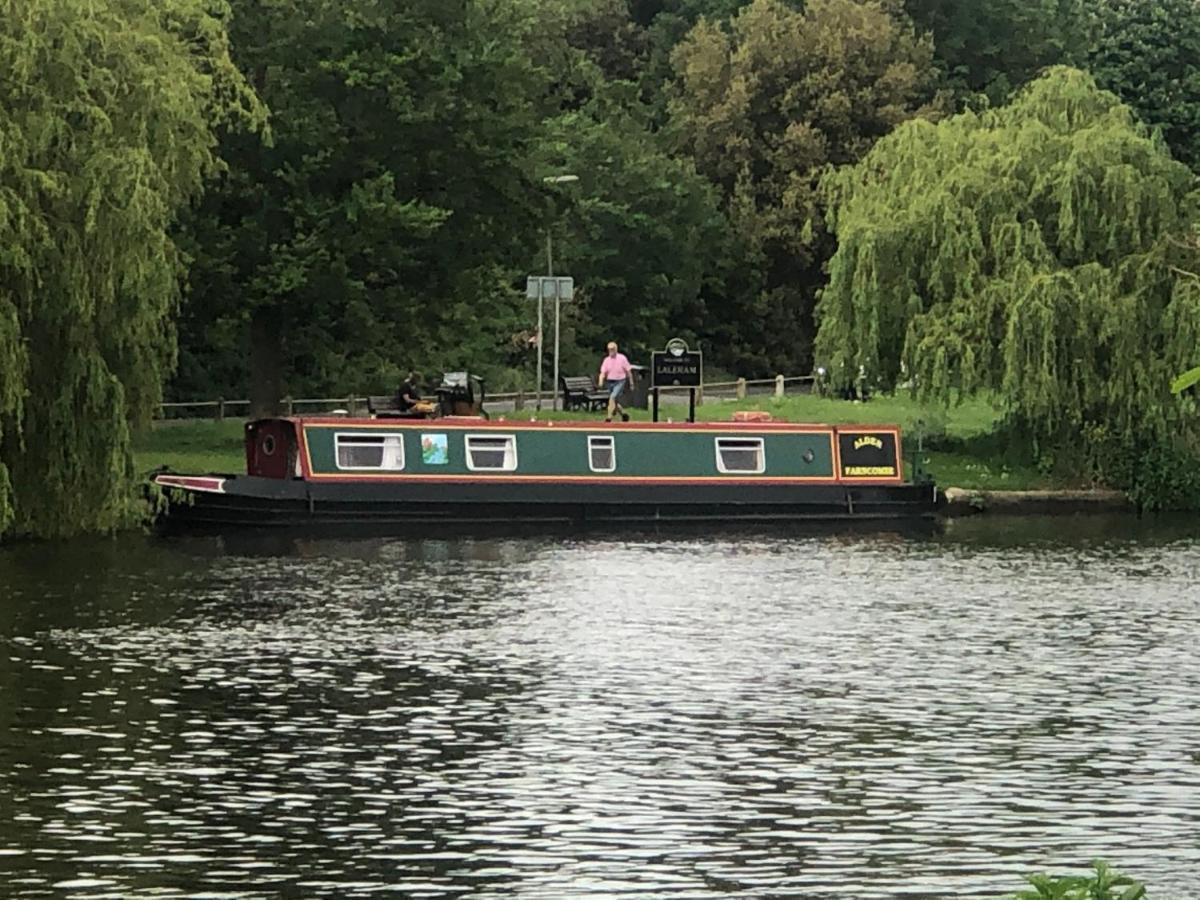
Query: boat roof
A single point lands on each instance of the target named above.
(574, 424)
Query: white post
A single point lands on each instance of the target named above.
(556, 319)
(541, 294)
(550, 274)
(539, 350)
(778, 385)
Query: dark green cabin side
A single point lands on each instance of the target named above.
(334, 449)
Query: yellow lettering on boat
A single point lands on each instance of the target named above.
(858, 471)
(868, 440)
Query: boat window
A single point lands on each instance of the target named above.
(491, 452)
(737, 455)
(370, 451)
(602, 453)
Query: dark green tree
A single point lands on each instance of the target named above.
(385, 223)
(627, 40)
(108, 113)
(763, 108)
(1148, 54)
(986, 50)
(638, 232)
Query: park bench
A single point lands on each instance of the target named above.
(580, 392)
(383, 406)
(459, 394)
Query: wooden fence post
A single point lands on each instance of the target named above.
(289, 406)
(741, 388)
(778, 385)
(352, 404)
(519, 401)
(220, 408)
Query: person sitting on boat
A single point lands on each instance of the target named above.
(409, 394)
(615, 371)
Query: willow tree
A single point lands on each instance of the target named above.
(107, 118)
(1026, 252)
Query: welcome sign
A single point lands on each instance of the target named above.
(677, 366)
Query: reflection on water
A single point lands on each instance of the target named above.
(850, 715)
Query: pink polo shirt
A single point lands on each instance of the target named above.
(615, 368)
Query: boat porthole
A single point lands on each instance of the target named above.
(809, 456)
(268, 445)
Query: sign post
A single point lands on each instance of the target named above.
(676, 366)
(542, 288)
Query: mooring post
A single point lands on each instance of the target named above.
(778, 385)
(741, 388)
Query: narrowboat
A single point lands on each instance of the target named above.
(464, 471)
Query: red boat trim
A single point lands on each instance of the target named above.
(306, 470)
(192, 483)
(460, 423)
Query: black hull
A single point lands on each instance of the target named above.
(250, 502)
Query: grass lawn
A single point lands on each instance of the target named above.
(194, 446)
(959, 455)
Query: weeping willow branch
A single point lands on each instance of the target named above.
(107, 128)
(1032, 252)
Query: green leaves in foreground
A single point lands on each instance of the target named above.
(1105, 884)
(1186, 380)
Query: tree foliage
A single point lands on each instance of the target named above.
(988, 50)
(1026, 253)
(632, 40)
(398, 205)
(637, 233)
(107, 116)
(1149, 55)
(763, 108)
(383, 224)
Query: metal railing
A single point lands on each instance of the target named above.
(509, 401)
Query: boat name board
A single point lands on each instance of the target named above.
(868, 454)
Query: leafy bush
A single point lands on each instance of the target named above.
(1157, 476)
(1105, 884)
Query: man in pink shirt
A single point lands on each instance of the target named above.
(614, 371)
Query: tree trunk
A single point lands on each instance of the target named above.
(266, 362)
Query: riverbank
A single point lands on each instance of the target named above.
(968, 502)
(957, 446)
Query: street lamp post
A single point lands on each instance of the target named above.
(551, 179)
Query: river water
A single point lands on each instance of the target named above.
(817, 715)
